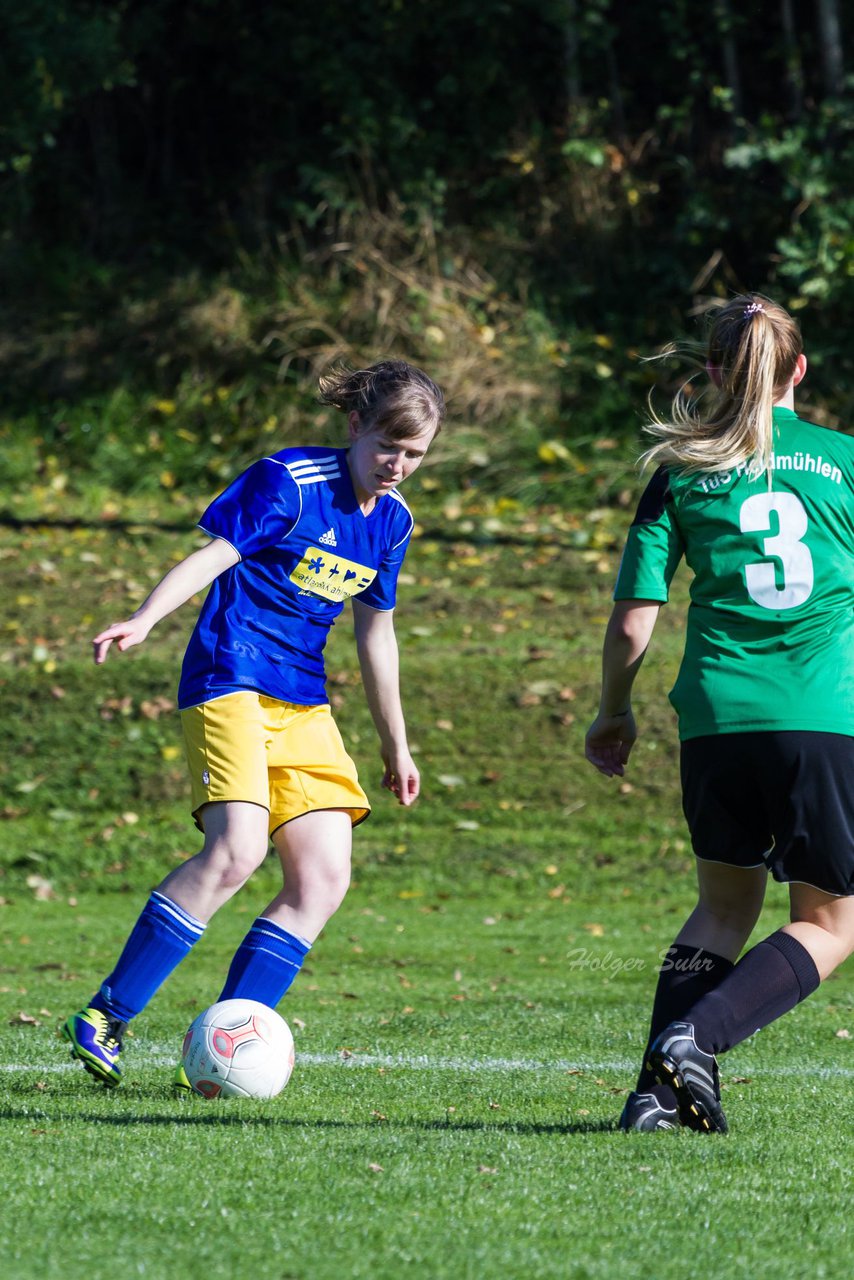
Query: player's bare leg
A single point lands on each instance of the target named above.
(702, 955)
(823, 924)
(769, 981)
(315, 851)
(728, 906)
(236, 843)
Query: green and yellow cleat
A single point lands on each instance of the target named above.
(96, 1042)
(181, 1086)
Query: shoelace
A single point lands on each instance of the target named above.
(111, 1038)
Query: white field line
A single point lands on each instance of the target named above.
(157, 1057)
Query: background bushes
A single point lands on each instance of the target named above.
(204, 202)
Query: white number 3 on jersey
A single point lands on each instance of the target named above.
(785, 546)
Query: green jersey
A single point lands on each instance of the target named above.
(770, 634)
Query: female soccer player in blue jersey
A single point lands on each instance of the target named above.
(291, 540)
(761, 505)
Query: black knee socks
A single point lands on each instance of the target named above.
(771, 979)
(686, 975)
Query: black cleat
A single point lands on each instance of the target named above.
(692, 1074)
(647, 1112)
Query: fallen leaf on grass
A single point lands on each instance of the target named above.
(538, 654)
(843, 1034)
(564, 719)
(487, 1168)
(528, 700)
(110, 707)
(376, 1168)
(543, 688)
(31, 784)
(42, 889)
(154, 708)
(24, 1020)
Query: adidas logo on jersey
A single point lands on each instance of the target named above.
(328, 539)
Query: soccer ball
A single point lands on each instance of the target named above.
(238, 1049)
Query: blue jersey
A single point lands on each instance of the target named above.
(305, 547)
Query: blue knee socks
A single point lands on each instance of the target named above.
(158, 942)
(265, 964)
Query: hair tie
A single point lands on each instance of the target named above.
(753, 307)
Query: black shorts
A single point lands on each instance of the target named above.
(781, 799)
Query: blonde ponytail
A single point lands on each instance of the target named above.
(752, 352)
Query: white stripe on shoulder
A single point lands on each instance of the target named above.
(394, 494)
(314, 470)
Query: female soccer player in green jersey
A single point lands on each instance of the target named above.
(761, 505)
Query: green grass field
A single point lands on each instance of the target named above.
(470, 1022)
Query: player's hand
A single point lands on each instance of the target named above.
(609, 742)
(125, 634)
(401, 777)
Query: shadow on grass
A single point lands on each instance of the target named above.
(520, 1128)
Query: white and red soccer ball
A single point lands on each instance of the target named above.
(238, 1049)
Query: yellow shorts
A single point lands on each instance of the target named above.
(288, 759)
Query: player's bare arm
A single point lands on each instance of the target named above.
(192, 575)
(376, 644)
(612, 735)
